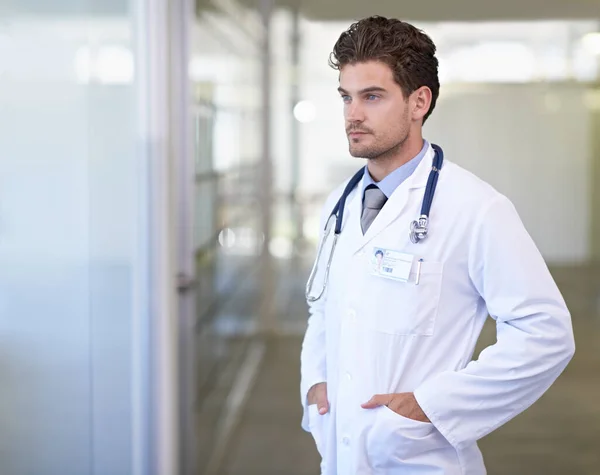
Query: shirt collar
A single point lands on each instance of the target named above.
(392, 181)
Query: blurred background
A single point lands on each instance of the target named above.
(162, 168)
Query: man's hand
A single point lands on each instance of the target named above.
(318, 395)
(404, 404)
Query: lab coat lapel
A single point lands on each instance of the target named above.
(353, 213)
(395, 205)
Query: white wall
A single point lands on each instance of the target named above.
(532, 142)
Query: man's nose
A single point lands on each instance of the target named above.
(354, 113)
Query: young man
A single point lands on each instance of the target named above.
(388, 385)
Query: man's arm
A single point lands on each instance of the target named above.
(534, 334)
(313, 363)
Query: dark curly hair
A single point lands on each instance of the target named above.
(408, 51)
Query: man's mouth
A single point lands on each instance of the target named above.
(356, 133)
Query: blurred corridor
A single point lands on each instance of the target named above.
(558, 435)
(162, 169)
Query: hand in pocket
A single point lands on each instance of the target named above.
(318, 395)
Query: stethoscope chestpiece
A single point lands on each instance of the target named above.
(418, 229)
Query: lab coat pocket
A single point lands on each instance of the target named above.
(395, 440)
(408, 308)
(316, 424)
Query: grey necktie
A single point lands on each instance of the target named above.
(373, 202)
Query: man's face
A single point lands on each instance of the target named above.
(375, 109)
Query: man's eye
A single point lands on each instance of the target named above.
(372, 97)
(346, 98)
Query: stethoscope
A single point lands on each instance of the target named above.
(418, 228)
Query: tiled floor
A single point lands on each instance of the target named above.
(559, 435)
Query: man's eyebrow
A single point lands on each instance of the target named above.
(365, 90)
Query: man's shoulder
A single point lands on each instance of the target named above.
(468, 185)
(337, 192)
(334, 195)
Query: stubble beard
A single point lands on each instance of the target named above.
(377, 153)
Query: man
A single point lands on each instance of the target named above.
(388, 385)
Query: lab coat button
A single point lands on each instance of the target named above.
(351, 313)
(349, 376)
(346, 440)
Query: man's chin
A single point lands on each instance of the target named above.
(360, 153)
(357, 152)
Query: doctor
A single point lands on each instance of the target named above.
(387, 381)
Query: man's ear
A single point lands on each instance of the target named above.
(420, 103)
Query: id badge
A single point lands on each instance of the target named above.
(391, 264)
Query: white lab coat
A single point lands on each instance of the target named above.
(369, 335)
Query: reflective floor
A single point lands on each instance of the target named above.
(559, 435)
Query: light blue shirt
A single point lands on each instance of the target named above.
(389, 184)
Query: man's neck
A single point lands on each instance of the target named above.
(383, 165)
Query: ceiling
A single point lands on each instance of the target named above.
(347, 10)
(444, 10)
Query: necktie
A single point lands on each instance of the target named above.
(373, 202)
